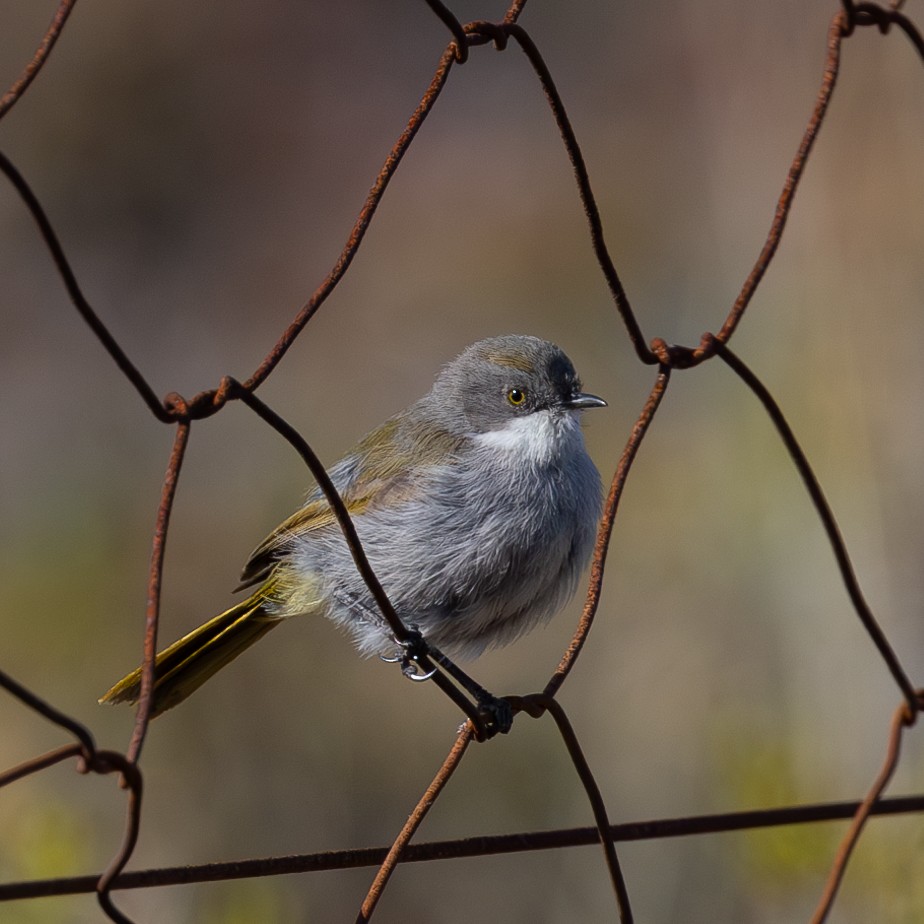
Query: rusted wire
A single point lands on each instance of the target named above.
(31, 70)
(872, 14)
(152, 607)
(460, 848)
(605, 531)
(45, 709)
(569, 139)
(825, 514)
(42, 762)
(126, 366)
(90, 759)
(443, 775)
(538, 704)
(180, 412)
(131, 777)
(514, 10)
(796, 169)
(903, 717)
(454, 26)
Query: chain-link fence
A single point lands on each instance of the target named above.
(43, 701)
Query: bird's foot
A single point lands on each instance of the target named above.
(496, 714)
(420, 661)
(409, 654)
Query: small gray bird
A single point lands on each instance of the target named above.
(476, 506)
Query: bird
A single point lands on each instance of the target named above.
(476, 506)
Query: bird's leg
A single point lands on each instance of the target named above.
(415, 654)
(496, 711)
(410, 653)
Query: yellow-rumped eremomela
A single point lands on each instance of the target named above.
(476, 507)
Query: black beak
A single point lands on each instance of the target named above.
(581, 401)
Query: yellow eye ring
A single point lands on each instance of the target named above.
(516, 396)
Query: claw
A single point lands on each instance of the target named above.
(408, 654)
(411, 670)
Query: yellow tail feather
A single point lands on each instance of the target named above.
(186, 664)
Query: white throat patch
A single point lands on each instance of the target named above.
(537, 437)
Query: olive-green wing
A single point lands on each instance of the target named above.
(316, 514)
(378, 469)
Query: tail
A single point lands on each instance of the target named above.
(188, 663)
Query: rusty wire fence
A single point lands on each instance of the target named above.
(511, 35)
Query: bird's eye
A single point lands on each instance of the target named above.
(516, 396)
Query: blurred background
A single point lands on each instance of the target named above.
(203, 165)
